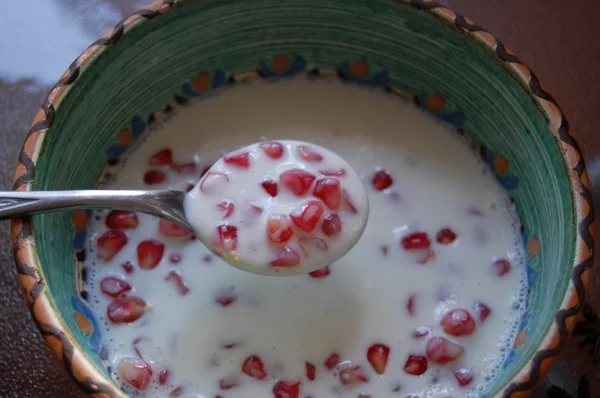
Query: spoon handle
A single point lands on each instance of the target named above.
(165, 204)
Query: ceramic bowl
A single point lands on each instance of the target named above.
(165, 55)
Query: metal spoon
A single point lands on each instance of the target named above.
(165, 204)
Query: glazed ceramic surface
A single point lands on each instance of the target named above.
(175, 52)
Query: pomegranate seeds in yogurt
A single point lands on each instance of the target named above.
(270, 208)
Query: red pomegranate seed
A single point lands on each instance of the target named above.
(332, 225)
(230, 346)
(274, 150)
(410, 304)
(482, 311)
(126, 309)
(309, 244)
(347, 203)
(286, 257)
(239, 160)
(381, 180)
(377, 355)
(308, 154)
(421, 331)
(171, 230)
(458, 323)
(442, 351)
(286, 389)
(110, 243)
(415, 365)
(311, 371)
(122, 219)
(333, 173)
(213, 182)
(114, 287)
(226, 207)
(445, 236)
(127, 267)
(279, 228)
(329, 191)
(349, 374)
(226, 238)
(297, 181)
(226, 298)
(332, 361)
(464, 376)
(228, 383)
(161, 158)
(149, 253)
(307, 217)
(415, 241)
(270, 187)
(500, 267)
(320, 273)
(135, 372)
(163, 377)
(254, 367)
(176, 278)
(152, 177)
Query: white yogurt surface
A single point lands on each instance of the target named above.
(221, 332)
(279, 207)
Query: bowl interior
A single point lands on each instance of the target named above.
(399, 47)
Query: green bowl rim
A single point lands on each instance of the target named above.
(93, 382)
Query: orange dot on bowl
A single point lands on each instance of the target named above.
(201, 82)
(80, 219)
(519, 339)
(125, 137)
(501, 165)
(533, 246)
(84, 324)
(435, 102)
(360, 69)
(281, 63)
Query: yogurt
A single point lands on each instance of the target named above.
(427, 303)
(279, 207)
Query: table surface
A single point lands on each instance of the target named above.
(40, 38)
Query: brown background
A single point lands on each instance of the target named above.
(556, 38)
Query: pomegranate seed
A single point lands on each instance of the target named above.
(122, 219)
(329, 191)
(226, 238)
(311, 243)
(126, 309)
(333, 173)
(482, 310)
(270, 187)
(149, 253)
(445, 236)
(287, 257)
(226, 207)
(297, 181)
(177, 279)
(464, 376)
(320, 273)
(135, 372)
(421, 331)
(286, 389)
(442, 351)
(307, 218)
(175, 258)
(308, 154)
(332, 225)
(332, 361)
(185, 168)
(226, 298)
(110, 243)
(127, 267)
(228, 383)
(152, 177)
(161, 158)
(274, 150)
(500, 267)
(253, 366)
(230, 346)
(410, 304)
(381, 180)
(415, 365)
(279, 229)
(377, 356)
(114, 287)
(239, 160)
(163, 377)
(213, 182)
(349, 374)
(311, 371)
(458, 323)
(171, 230)
(347, 203)
(415, 241)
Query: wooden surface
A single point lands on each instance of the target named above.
(556, 38)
